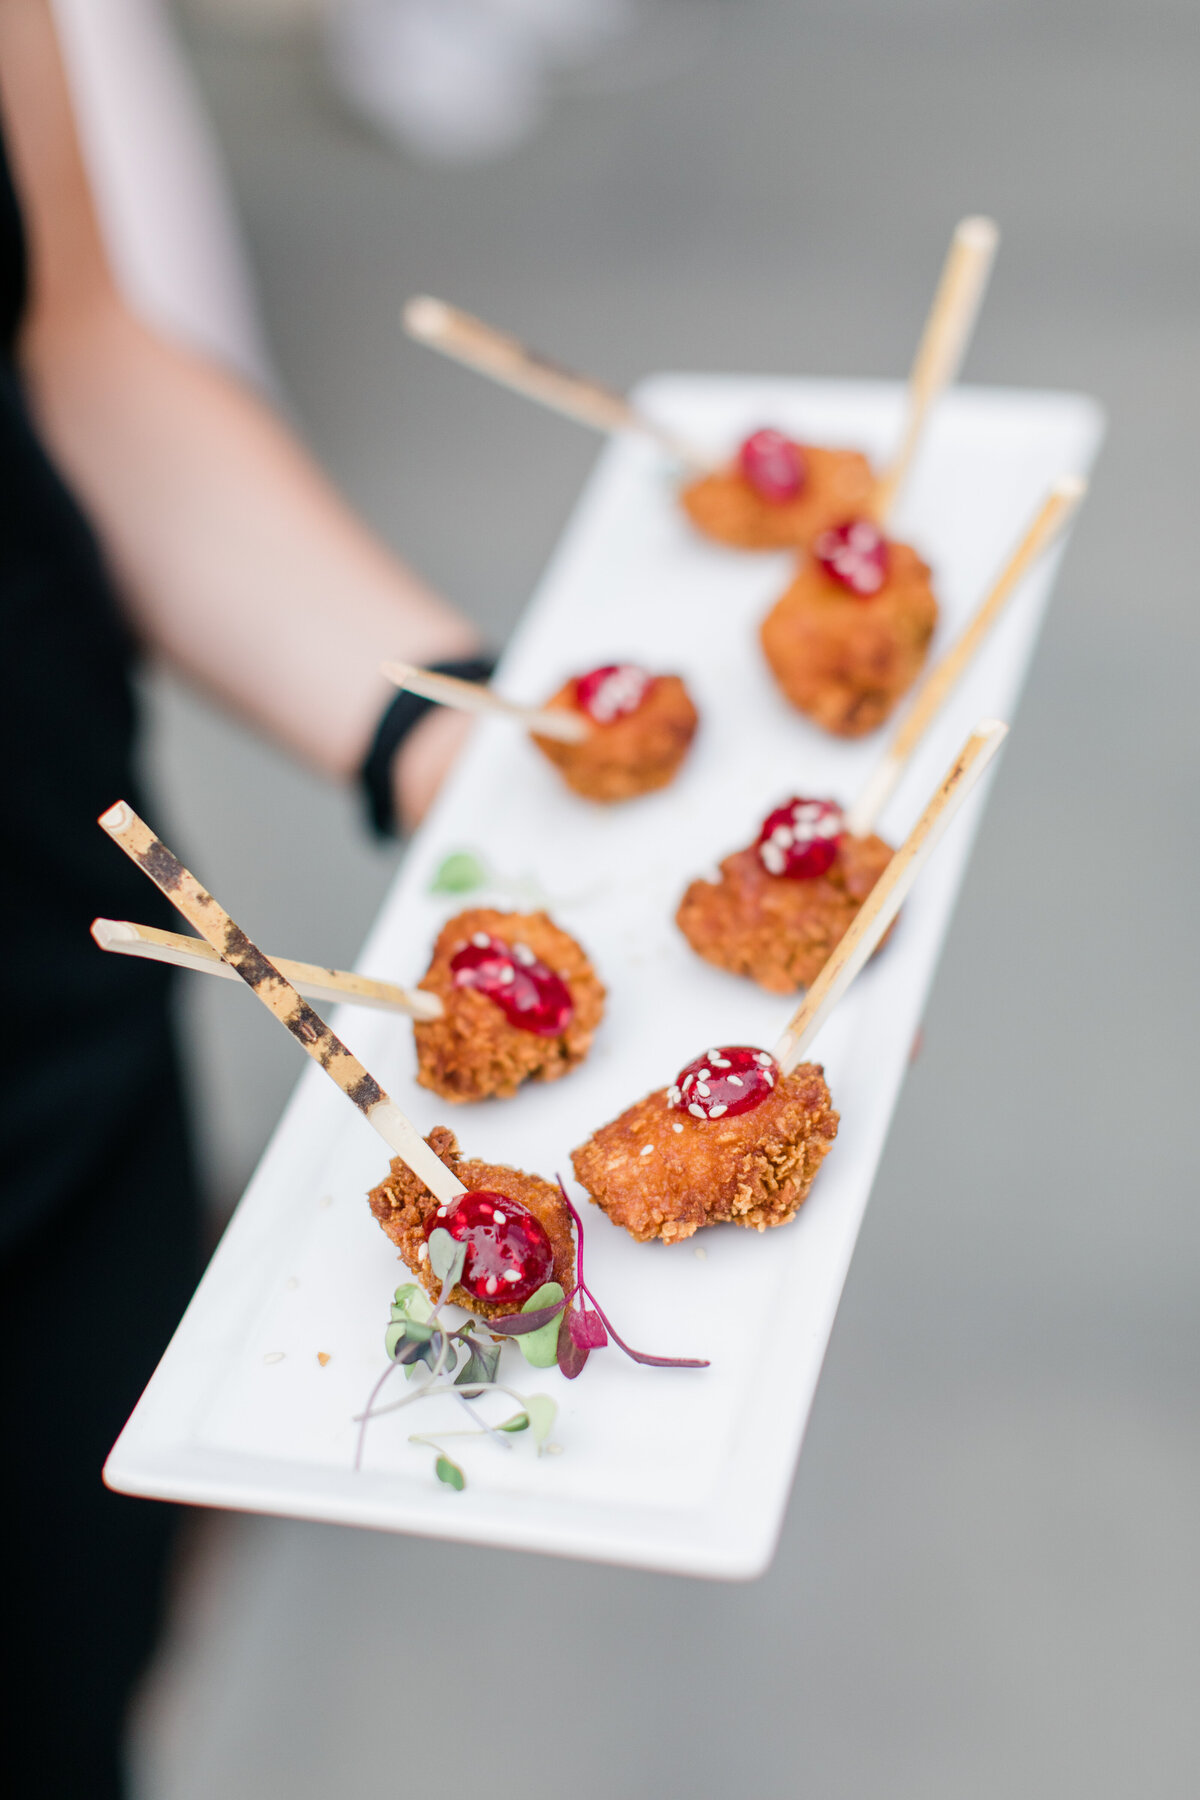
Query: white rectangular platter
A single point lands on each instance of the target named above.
(668, 1469)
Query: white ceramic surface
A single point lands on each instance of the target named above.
(674, 1470)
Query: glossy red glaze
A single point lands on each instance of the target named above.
(773, 466)
(855, 554)
(530, 995)
(800, 839)
(509, 1253)
(734, 1079)
(612, 692)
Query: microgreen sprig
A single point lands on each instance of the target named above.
(588, 1327)
(415, 1335)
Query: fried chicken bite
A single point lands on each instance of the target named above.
(778, 495)
(733, 1141)
(516, 1227)
(850, 635)
(642, 728)
(776, 930)
(520, 1002)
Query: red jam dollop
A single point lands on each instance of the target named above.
(529, 994)
(735, 1079)
(509, 1253)
(612, 692)
(800, 839)
(773, 466)
(856, 554)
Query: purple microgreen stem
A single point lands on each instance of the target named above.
(581, 1287)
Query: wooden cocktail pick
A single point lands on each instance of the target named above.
(468, 340)
(886, 897)
(312, 980)
(1045, 526)
(310, 1031)
(943, 345)
(477, 697)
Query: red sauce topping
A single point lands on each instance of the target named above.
(856, 554)
(800, 839)
(773, 466)
(509, 1253)
(529, 994)
(735, 1079)
(612, 692)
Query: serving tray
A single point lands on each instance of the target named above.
(668, 1469)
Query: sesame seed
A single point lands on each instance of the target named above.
(647, 1150)
(491, 1284)
(512, 1274)
(735, 1081)
(763, 1058)
(677, 1127)
(703, 1089)
(481, 940)
(273, 1356)
(697, 1112)
(500, 1218)
(524, 954)
(703, 1074)
(442, 1211)
(714, 1112)
(768, 1078)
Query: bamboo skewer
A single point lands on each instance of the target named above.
(886, 897)
(1049, 520)
(312, 980)
(280, 997)
(477, 697)
(468, 340)
(943, 344)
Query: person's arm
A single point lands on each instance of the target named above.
(235, 558)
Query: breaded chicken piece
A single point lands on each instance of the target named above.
(844, 660)
(630, 755)
(778, 931)
(838, 484)
(472, 1052)
(663, 1174)
(403, 1205)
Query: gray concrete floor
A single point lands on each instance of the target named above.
(990, 1574)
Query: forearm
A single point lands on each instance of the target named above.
(236, 559)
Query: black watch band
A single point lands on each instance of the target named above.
(399, 717)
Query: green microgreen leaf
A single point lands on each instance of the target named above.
(518, 1422)
(480, 1366)
(446, 1258)
(540, 1347)
(450, 1473)
(411, 1302)
(459, 873)
(542, 1412)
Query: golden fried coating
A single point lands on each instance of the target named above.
(663, 1174)
(403, 1205)
(631, 755)
(845, 661)
(778, 931)
(838, 485)
(472, 1052)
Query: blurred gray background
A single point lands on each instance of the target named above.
(989, 1579)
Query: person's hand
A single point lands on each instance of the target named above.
(424, 760)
